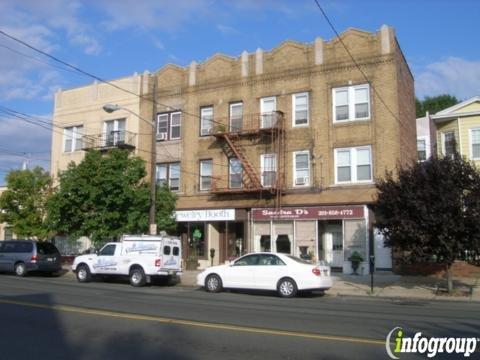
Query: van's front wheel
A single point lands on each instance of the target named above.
(137, 277)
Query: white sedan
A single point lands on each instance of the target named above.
(267, 271)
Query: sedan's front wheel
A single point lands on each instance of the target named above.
(287, 288)
(213, 283)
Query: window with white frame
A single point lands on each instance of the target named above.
(300, 109)
(206, 120)
(236, 116)
(114, 132)
(169, 126)
(301, 170)
(353, 165)
(169, 174)
(449, 143)
(351, 103)
(206, 172)
(475, 143)
(268, 108)
(422, 148)
(268, 163)
(72, 138)
(235, 173)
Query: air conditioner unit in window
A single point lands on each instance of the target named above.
(301, 180)
(162, 136)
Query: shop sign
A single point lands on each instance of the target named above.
(205, 215)
(309, 213)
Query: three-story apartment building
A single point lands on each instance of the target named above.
(273, 150)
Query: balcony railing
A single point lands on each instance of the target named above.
(121, 139)
(249, 124)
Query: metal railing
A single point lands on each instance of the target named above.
(108, 140)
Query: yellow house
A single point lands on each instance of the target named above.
(458, 129)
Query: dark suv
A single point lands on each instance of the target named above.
(23, 256)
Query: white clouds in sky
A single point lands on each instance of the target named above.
(453, 75)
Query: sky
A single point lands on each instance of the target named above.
(116, 38)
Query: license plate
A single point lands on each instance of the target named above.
(171, 272)
(50, 259)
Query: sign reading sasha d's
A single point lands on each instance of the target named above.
(205, 215)
(309, 213)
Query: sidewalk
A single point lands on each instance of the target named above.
(388, 285)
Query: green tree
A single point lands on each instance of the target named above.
(165, 206)
(102, 197)
(434, 104)
(23, 204)
(431, 210)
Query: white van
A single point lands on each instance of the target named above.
(140, 257)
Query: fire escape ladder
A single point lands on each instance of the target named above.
(247, 167)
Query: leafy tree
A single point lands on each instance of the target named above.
(434, 104)
(103, 197)
(23, 204)
(431, 210)
(165, 206)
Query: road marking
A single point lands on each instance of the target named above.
(193, 323)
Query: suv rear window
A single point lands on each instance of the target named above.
(46, 248)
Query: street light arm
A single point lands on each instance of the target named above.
(110, 108)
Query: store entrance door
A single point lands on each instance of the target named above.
(333, 244)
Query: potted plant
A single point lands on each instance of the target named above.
(355, 259)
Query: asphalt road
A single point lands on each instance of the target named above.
(58, 318)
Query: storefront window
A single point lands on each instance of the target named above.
(265, 243)
(355, 238)
(283, 244)
(197, 239)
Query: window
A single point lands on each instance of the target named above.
(108, 250)
(169, 174)
(235, 173)
(114, 132)
(449, 143)
(351, 103)
(236, 117)
(176, 251)
(166, 250)
(268, 164)
(249, 260)
(205, 175)
(206, 120)
(301, 171)
(270, 260)
(475, 141)
(353, 165)
(268, 106)
(300, 109)
(169, 126)
(72, 138)
(422, 149)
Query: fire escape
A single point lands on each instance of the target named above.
(264, 133)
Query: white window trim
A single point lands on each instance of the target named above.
(262, 107)
(470, 142)
(427, 146)
(75, 132)
(202, 119)
(444, 150)
(294, 113)
(351, 103)
(262, 166)
(307, 183)
(201, 174)
(353, 165)
(171, 126)
(230, 117)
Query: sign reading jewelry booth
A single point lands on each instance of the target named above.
(205, 215)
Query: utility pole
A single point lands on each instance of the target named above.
(153, 169)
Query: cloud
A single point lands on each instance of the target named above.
(453, 75)
(227, 30)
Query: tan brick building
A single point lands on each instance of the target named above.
(274, 150)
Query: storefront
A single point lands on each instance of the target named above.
(327, 233)
(214, 235)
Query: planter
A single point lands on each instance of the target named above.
(192, 264)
